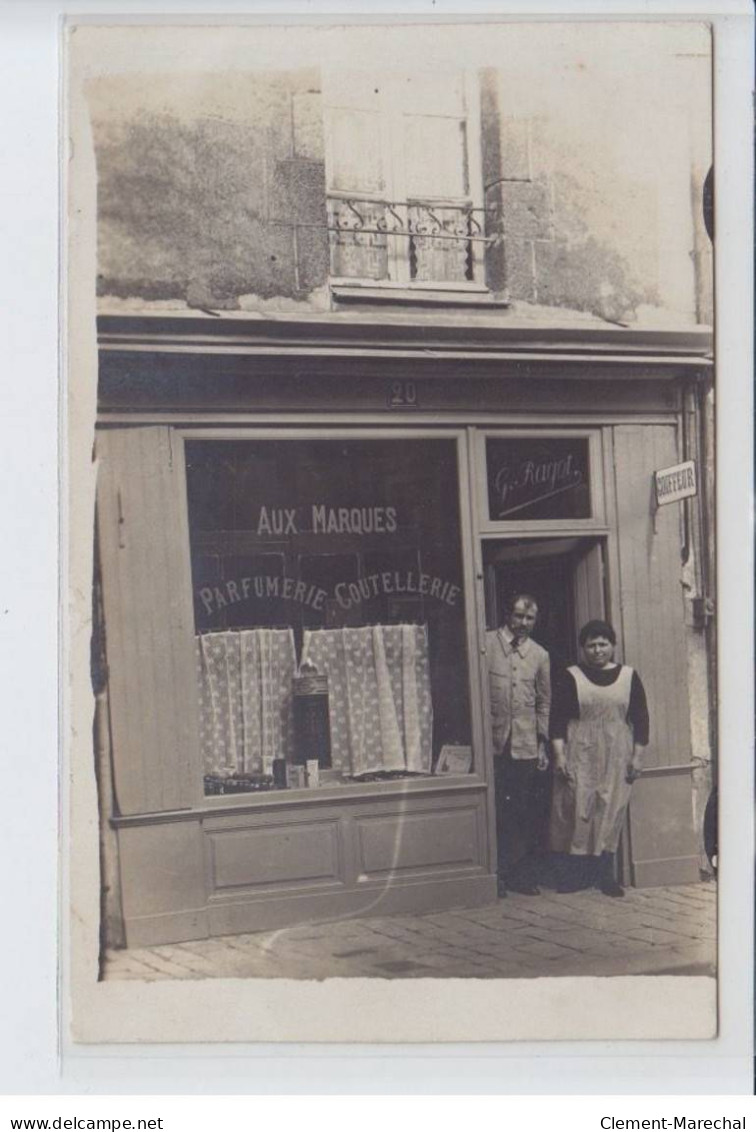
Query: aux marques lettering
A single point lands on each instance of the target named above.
(325, 520)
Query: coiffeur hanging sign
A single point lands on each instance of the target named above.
(678, 482)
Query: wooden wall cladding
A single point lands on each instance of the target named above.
(663, 844)
(651, 590)
(147, 592)
(662, 839)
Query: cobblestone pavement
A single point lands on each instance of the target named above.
(651, 931)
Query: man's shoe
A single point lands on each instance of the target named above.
(611, 888)
(525, 889)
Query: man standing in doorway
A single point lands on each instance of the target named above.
(520, 690)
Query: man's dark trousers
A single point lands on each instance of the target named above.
(517, 787)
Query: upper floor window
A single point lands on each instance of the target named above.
(404, 179)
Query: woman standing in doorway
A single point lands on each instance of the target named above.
(599, 727)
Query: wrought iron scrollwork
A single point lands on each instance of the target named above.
(380, 217)
(441, 236)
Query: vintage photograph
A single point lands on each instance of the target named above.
(403, 564)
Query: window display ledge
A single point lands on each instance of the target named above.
(434, 786)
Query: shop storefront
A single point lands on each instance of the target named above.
(304, 533)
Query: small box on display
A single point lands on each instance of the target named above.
(455, 758)
(297, 776)
(313, 772)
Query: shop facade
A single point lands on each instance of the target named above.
(377, 542)
(372, 358)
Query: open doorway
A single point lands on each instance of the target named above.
(566, 578)
(564, 575)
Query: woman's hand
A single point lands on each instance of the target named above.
(560, 760)
(635, 766)
(563, 770)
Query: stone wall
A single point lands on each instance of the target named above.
(596, 202)
(211, 207)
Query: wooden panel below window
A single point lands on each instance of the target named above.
(401, 842)
(274, 855)
(290, 862)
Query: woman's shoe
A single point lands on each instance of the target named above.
(611, 888)
(524, 889)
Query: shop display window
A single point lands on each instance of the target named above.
(329, 611)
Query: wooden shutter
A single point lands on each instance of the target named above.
(147, 599)
(357, 165)
(662, 842)
(433, 166)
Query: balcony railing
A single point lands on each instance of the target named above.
(411, 241)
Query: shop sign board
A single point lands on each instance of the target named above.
(538, 478)
(675, 483)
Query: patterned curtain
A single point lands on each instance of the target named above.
(245, 692)
(381, 713)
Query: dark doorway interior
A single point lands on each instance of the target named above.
(564, 575)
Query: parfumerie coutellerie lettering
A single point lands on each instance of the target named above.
(346, 594)
(719, 1123)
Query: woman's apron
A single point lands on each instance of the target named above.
(587, 813)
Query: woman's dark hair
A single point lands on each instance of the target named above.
(593, 629)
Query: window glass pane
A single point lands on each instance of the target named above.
(538, 478)
(329, 611)
(434, 157)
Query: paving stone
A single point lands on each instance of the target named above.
(137, 976)
(200, 965)
(542, 950)
(518, 937)
(167, 967)
(655, 936)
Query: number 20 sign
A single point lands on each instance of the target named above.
(402, 395)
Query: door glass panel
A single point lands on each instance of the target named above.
(329, 611)
(538, 478)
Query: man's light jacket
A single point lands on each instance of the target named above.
(520, 691)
